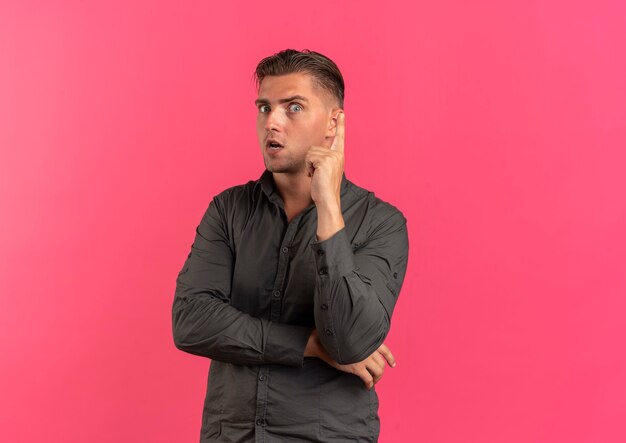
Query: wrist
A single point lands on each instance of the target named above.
(329, 205)
(329, 221)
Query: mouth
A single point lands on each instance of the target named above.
(273, 145)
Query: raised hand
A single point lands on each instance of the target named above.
(325, 167)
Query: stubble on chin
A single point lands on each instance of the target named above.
(280, 169)
(286, 167)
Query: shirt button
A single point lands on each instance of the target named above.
(323, 271)
(324, 306)
(285, 249)
(276, 294)
(395, 275)
(329, 332)
(320, 252)
(261, 377)
(259, 421)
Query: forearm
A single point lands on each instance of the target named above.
(338, 317)
(355, 293)
(208, 327)
(205, 324)
(350, 319)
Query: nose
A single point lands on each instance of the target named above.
(272, 121)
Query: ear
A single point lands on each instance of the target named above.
(332, 122)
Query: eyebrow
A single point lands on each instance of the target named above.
(258, 101)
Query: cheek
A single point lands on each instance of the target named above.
(260, 131)
(317, 131)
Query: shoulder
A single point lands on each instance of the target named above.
(381, 226)
(237, 195)
(378, 211)
(228, 205)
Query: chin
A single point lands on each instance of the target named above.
(284, 169)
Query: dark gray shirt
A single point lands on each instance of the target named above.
(253, 288)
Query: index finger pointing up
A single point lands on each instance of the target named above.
(339, 133)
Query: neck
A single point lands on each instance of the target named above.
(294, 189)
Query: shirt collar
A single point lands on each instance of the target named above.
(266, 182)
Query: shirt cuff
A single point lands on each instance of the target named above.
(334, 257)
(286, 344)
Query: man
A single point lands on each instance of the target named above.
(292, 279)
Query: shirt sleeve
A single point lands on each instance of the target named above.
(356, 291)
(203, 321)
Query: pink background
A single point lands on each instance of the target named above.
(498, 128)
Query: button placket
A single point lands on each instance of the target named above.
(283, 262)
(276, 298)
(261, 399)
(275, 308)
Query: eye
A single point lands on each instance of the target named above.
(262, 108)
(295, 107)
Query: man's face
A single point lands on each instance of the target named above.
(295, 114)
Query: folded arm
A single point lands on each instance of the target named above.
(356, 291)
(203, 321)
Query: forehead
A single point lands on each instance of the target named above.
(275, 87)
